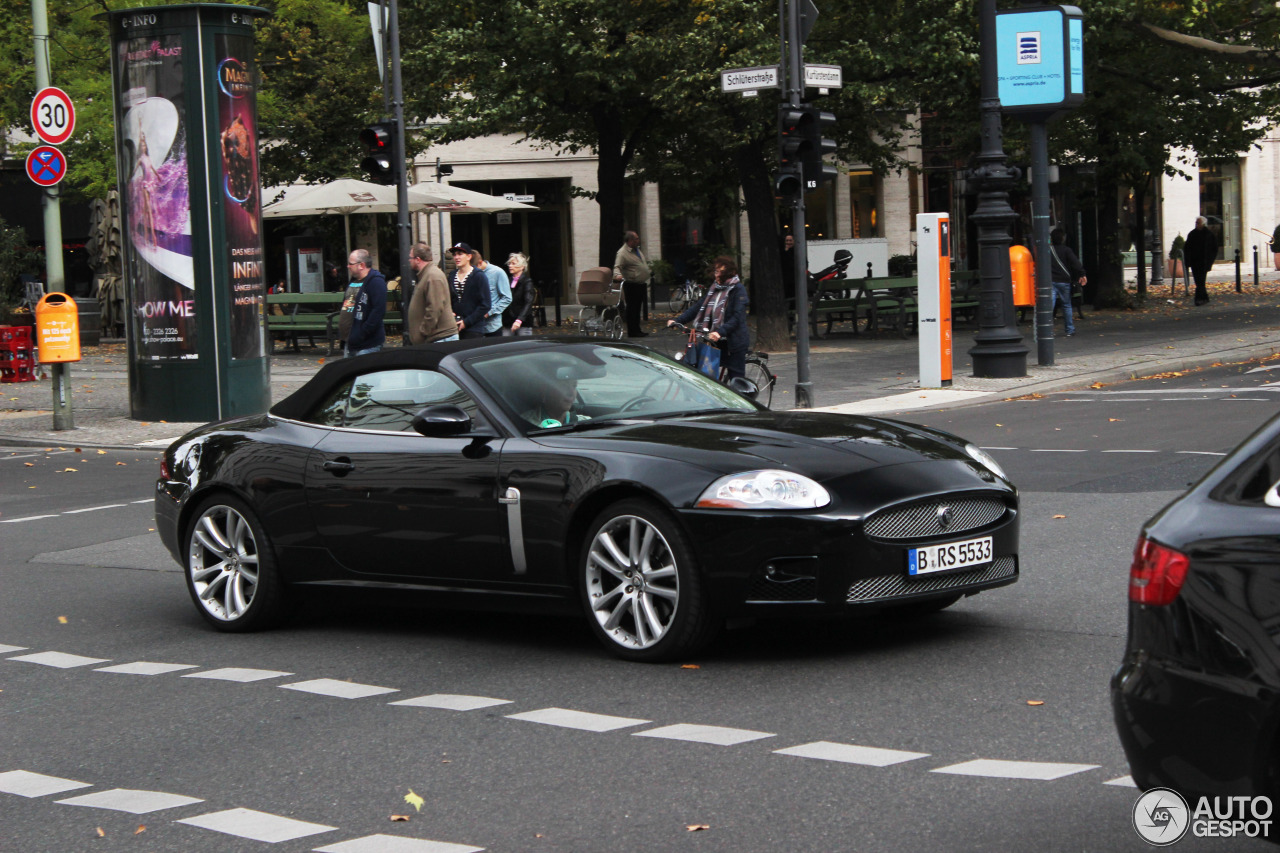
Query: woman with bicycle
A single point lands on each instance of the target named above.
(722, 316)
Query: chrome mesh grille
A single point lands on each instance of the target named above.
(897, 586)
(920, 520)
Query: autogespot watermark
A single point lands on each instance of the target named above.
(1162, 816)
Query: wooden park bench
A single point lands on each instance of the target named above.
(314, 313)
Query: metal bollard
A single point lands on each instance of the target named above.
(1255, 267)
(1238, 289)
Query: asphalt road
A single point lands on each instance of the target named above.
(754, 740)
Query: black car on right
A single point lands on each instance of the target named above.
(1197, 696)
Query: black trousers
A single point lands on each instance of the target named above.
(634, 293)
(1201, 277)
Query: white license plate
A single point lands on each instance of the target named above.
(952, 555)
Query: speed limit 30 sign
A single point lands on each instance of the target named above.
(53, 115)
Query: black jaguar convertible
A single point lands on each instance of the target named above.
(600, 477)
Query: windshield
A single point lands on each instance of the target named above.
(578, 383)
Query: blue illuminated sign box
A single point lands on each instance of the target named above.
(1040, 60)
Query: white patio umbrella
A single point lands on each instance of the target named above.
(347, 196)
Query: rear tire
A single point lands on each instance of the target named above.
(641, 587)
(760, 375)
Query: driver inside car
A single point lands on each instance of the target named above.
(556, 400)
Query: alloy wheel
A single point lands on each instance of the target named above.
(633, 586)
(222, 563)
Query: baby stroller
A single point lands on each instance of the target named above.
(601, 299)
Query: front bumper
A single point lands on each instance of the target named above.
(805, 563)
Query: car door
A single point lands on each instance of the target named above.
(388, 501)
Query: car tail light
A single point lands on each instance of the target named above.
(1157, 573)
(166, 473)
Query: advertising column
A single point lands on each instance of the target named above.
(187, 164)
(934, 298)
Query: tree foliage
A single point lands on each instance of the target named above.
(315, 87)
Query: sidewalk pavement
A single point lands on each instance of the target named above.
(874, 373)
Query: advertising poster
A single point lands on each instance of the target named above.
(157, 202)
(238, 143)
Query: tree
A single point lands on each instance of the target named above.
(1149, 94)
(311, 88)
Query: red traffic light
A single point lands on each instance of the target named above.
(378, 142)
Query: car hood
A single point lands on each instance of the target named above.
(821, 444)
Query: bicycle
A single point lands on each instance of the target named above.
(684, 295)
(756, 371)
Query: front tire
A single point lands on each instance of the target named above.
(231, 568)
(641, 587)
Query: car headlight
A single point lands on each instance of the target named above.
(985, 459)
(764, 490)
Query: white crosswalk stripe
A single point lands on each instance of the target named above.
(131, 801)
(565, 718)
(992, 768)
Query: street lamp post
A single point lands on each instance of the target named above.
(999, 351)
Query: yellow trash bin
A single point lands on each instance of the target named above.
(58, 328)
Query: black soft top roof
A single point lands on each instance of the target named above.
(422, 357)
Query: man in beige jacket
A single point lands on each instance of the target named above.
(631, 268)
(430, 317)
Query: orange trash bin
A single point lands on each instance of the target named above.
(1023, 270)
(58, 328)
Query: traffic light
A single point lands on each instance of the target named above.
(801, 147)
(817, 173)
(378, 141)
(793, 143)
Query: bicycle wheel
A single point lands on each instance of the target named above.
(758, 372)
(679, 299)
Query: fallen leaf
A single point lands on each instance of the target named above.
(29, 464)
(414, 800)
(697, 827)
(122, 463)
(1114, 420)
(62, 620)
(101, 834)
(141, 829)
(78, 450)
(102, 453)
(1059, 516)
(65, 470)
(399, 818)
(1000, 425)
(1035, 702)
(690, 666)
(1098, 385)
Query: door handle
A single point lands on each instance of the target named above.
(340, 466)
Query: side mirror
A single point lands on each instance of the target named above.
(436, 421)
(744, 387)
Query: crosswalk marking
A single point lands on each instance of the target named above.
(4, 650)
(338, 689)
(568, 719)
(131, 801)
(26, 784)
(60, 660)
(233, 673)
(259, 826)
(143, 667)
(1039, 770)
(715, 735)
(452, 702)
(847, 753)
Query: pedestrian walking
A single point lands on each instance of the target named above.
(1065, 271)
(631, 268)
(430, 317)
(516, 319)
(469, 292)
(366, 303)
(1201, 251)
(499, 294)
